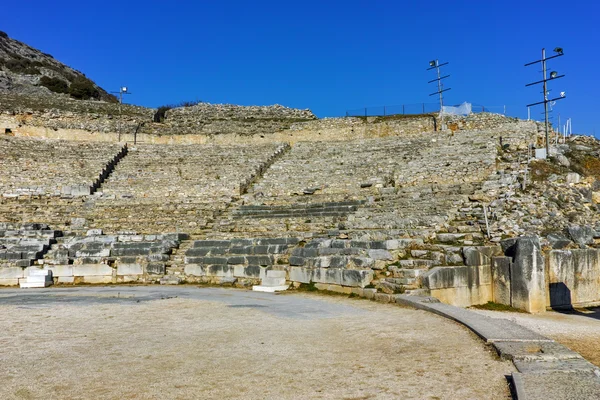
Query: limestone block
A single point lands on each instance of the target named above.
(60, 270)
(380, 254)
(129, 269)
(528, 281)
(97, 279)
(327, 275)
(582, 235)
(250, 271)
(92, 270)
(226, 271)
(301, 274)
(11, 273)
(9, 281)
(460, 286)
(195, 270)
(156, 268)
(557, 240)
(501, 280)
(480, 255)
(92, 253)
(573, 277)
(356, 278)
(66, 279)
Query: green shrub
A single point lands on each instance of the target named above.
(159, 115)
(83, 89)
(54, 84)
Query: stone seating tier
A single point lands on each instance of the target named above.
(51, 167)
(187, 171)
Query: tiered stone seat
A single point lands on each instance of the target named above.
(51, 167)
(177, 187)
(98, 258)
(206, 172)
(22, 245)
(236, 258)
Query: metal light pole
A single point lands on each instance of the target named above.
(553, 75)
(121, 92)
(435, 64)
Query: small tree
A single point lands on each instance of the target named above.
(56, 85)
(83, 89)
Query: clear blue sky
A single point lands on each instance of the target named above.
(328, 56)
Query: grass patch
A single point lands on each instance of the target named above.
(491, 306)
(540, 170)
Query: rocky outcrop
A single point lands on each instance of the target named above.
(25, 70)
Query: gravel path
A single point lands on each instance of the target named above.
(205, 343)
(579, 329)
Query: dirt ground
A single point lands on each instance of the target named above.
(208, 343)
(578, 329)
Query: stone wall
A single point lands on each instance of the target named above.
(573, 277)
(30, 116)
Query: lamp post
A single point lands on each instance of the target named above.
(435, 64)
(544, 82)
(122, 90)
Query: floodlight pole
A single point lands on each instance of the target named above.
(436, 64)
(121, 92)
(544, 81)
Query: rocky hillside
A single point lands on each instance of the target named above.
(28, 71)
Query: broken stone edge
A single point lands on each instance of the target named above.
(500, 332)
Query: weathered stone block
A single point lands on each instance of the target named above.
(501, 280)
(301, 274)
(260, 260)
(97, 279)
(220, 271)
(250, 271)
(528, 282)
(92, 270)
(130, 269)
(195, 270)
(380, 254)
(328, 275)
(573, 277)
(356, 278)
(156, 268)
(12, 273)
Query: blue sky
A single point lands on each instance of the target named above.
(329, 56)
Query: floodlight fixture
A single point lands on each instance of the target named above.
(563, 94)
(544, 81)
(432, 63)
(124, 89)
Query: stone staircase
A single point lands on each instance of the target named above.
(240, 261)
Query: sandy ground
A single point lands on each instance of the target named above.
(208, 343)
(579, 329)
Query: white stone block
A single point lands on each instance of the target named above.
(195, 270)
(66, 279)
(92, 270)
(11, 273)
(130, 269)
(301, 274)
(269, 289)
(97, 279)
(276, 274)
(273, 281)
